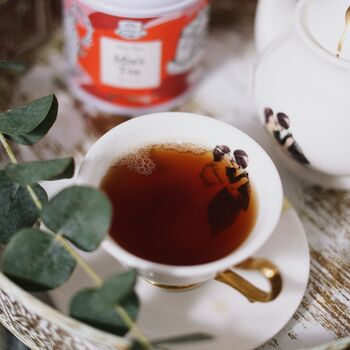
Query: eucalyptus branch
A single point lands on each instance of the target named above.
(8, 149)
(35, 198)
(14, 160)
(78, 258)
(131, 324)
(80, 261)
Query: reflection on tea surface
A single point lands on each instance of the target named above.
(181, 204)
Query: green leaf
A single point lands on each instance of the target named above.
(27, 124)
(32, 172)
(39, 132)
(118, 286)
(17, 209)
(183, 339)
(81, 214)
(36, 261)
(136, 345)
(97, 306)
(12, 65)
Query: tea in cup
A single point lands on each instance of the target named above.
(192, 197)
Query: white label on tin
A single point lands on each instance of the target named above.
(130, 65)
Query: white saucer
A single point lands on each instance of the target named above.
(214, 307)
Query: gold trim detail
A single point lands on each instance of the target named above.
(286, 205)
(252, 293)
(171, 288)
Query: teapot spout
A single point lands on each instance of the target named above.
(271, 17)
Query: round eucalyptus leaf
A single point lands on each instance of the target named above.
(41, 130)
(86, 307)
(36, 261)
(81, 214)
(31, 172)
(97, 306)
(17, 209)
(30, 122)
(119, 285)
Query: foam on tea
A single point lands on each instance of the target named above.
(181, 204)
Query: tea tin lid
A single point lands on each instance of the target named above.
(137, 8)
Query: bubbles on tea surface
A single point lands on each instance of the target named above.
(186, 147)
(139, 161)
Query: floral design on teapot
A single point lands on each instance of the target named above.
(278, 125)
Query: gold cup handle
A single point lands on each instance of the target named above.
(252, 293)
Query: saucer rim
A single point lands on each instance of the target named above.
(293, 220)
(284, 318)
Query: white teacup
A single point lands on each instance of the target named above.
(191, 128)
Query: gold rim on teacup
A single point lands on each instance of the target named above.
(234, 280)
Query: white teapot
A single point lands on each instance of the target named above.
(301, 87)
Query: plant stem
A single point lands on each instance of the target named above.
(80, 261)
(13, 159)
(130, 323)
(99, 282)
(35, 198)
(8, 149)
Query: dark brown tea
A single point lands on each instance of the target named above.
(181, 204)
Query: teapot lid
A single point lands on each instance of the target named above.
(328, 21)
